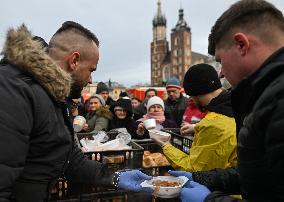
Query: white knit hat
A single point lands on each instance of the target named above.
(155, 100)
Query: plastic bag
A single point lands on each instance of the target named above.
(100, 137)
(123, 136)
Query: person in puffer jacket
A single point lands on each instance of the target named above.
(37, 137)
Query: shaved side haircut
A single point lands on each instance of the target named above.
(71, 36)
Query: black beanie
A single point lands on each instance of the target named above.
(125, 104)
(123, 94)
(201, 79)
(101, 87)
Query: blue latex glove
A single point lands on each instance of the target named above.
(131, 180)
(182, 173)
(195, 193)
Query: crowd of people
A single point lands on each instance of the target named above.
(102, 113)
(238, 148)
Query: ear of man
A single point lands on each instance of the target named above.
(73, 61)
(242, 42)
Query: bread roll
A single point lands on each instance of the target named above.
(148, 161)
(156, 155)
(146, 153)
(161, 161)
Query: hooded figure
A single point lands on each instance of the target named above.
(123, 117)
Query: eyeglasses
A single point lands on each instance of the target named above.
(74, 104)
(120, 110)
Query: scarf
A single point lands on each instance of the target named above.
(158, 116)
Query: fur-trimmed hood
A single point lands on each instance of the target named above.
(104, 112)
(29, 55)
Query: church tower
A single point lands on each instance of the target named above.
(181, 54)
(159, 49)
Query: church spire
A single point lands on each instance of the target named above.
(159, 19)
(181, 24)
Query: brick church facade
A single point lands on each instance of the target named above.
(166, 63)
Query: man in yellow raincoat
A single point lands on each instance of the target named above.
(214, 144)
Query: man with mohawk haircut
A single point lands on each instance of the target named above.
(36, 139)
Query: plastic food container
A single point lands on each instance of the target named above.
(164, 136)
(166, 191)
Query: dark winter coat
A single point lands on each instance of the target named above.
(128, 123)
(140, 111)
(258, 104)
(176, 108)
(36, 146)
(110, 103)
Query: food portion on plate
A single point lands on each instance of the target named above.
(165, 186)
(162, 183)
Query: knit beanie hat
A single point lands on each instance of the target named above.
(155, 100)
(201, 79)
(123, 94)
(173, 83)
(101, 87)
(100, 98)
(124, 103)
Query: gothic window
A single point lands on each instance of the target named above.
(187, 41)
(174, 70)
(180, 68)
(179, 51)
(187, 52)
(175, 52)
(177, 41)
(166, 73)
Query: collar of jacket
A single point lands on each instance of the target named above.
(174, 102)
(28, 55)
(104, 112)
(221, 104)
(248, 91)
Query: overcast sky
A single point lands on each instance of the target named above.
(124, 27)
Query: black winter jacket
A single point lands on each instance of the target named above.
(36, 146)
(258, 104)
(176, 109)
